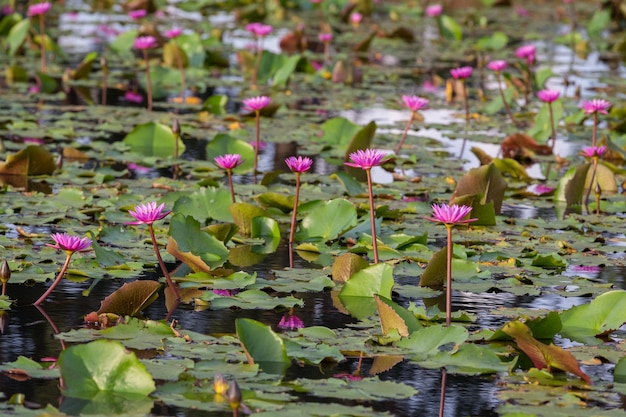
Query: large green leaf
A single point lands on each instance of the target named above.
(470, 359)
(17, 35)
(103, 365)
(262, 345)
(185, 230)
(542, 130)
(449, 28)
(154, 139)
(603, 315)
(339, 131)
(430, 340)
(328, 220)
(243, 215)
(223, 144)
(375, 279)
(206, 204)
(486, 182)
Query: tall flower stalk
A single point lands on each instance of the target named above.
(144, 43)
(40, 9)
(415, 104)
(528, 53)
(147, 214)
(297, 165)
(594, 153)
(229, 162)
(260, 31)
(497, 67)
(449, 216)
(550, 96)
(326, 38)
(256, 104)
(173, 34)
(594, 107)
(69, 244)
(366, 160)
(462, 74)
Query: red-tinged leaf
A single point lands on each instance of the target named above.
(542, 355)
(131, 298)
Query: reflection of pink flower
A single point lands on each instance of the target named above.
(586, 268)
(429, 87)
(450, 214)
(259, 29)
(548, 96)
(148, 213)
(173, 33)
(596, 106)
(461, 72)
(348, 376)
(415, 103)
(228, 161)
(299, 164)
(498, 65)
(256, 103)
(526, 52)
(38, 8)
(138, 168)
(34, 89)
(366, 159)
(593, 151)
(133, 97)
(145, 42)
(137, 14)
(290, 322)
(434, 10)
(70, 243)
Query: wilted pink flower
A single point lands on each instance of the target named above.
(450, 214)
(137, 14)
(173, 33)
(498, 65)
(228, 161)
(434, 10)
(415, 103)
(526, 52)
(593, 151)
(290, 322)
(148, 213)
(597, 105)
(70, 243)
(356, 18)
(299, 164)
(145, 42)
(256, 103)
(133, 97)
(540, 189)
(548, 96)
(366, 159)
(461, 72)
(259, 29)
(38, 8)
(325, 37)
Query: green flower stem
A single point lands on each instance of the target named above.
(506, 105)
(57, 279)
(552, 126)
(229, 173)
(162, 264)
(294, 212)
(406, 130)
(593, 177)
(148, 81)
(42, 42)
(449, 275)
(372, 214)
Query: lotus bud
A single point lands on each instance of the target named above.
(220, 385)
(104, 65)
(234, 395)
(176, 128)
(5, 272)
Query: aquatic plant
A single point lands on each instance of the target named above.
(229, 162)
(70, 244)
(527, 53)
(326, 38)
(550, 96)
(148, 214)
(172, 34)
(297, 165)
(366, 160)
(40, 9)
(462, 74)
(594, 153)
(449, 216)
(497, 67)
(415, 104)
(144, 43)
(260, 31)
(256, 104)
(5, 275)
(595, 107)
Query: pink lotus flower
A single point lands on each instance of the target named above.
(548, 96)
(526, 52)
(173, 33)
(290, 322)
(521, 11)
(497, 65)
(540, 189)
(415, 103)
(70, 243)
(225, 293)
(256, 103)
(434, 10)
(450, 214)
(596, 106)
(586, 268)
(39, 8)
(259, 29)
(325, 37)
(461, 72)
(366, 159)
(138, 168)
(148, 213)
(145, 42)
(137, 14)
(228, 161)
(356, 18)
(133, 97)
(299, 164)
(593, 151)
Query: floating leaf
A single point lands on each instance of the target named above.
(431, 340)
(206, 204)
(346, 265)
(131, 298)
(33, 160)
(243, 214)
(154, 139)
(392, 316)
(376, 279)
(224, 144)
(485, 181)
(339, 131)
(328, 220)
(449, 28)
(262, 345)
(185, 230)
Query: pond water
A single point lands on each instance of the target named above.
(586, 254)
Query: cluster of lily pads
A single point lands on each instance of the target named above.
(376, 249)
